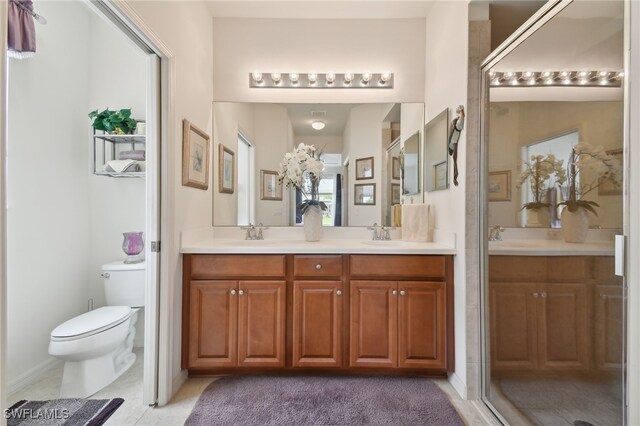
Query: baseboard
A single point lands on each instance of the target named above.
(458, 385)
(31, 375)
(177, 382)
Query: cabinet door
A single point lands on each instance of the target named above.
(373, 324)
(213, 324)
(317, 323)
(513, 326)
(563, 326)
(608, 327)
(422, 325)
(261, 323)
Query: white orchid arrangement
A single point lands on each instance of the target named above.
(538, 172)
(302, 169)
(594, 166)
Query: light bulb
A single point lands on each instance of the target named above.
(331, 77)
(548, 81)
(509, 75)
(293, 76)
(546, 74)
(318, 125)
(583, 74)
(257, 77)
(527, 75)
(492, 74)
(620, 74)
(564, 74)
(276, 77)
(313, 77)
(385, 77)
(366, 77)
(603, 74)
(348, 77)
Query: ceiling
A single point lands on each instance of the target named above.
(313, 9)
(335, 117)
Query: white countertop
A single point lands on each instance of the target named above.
(230, 240)
(550, 248)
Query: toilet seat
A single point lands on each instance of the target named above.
(90, 323)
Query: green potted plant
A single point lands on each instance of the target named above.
(117, 122)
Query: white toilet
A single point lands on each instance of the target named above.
(97, 346)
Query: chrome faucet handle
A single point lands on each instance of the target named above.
(260, 228)
(251, 230)
(384, 232)
(376, 231)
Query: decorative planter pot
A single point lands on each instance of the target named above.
(132, 246)
(312, 221)
(538, 218)
(575, 226)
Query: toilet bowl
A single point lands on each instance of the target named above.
(96, 347)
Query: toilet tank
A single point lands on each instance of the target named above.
(124, 283)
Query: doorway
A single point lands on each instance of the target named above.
(67, 206)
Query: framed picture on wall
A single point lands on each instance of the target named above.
(227, 170)
(364, 194)
(364, 168)
(606, 185)
(395, 193)
(499, 187)
(395, 168)
(195, 156)
(270, 186)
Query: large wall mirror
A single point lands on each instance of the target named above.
(361, 145)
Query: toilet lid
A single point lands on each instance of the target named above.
(92, 321)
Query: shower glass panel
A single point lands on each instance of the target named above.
(554, 313)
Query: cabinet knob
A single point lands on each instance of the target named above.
(233, 291)
(394, 292)
(535, 295)
(240, 292)
(543, 294)
(318, 266)
(339, 292)
(402, 292)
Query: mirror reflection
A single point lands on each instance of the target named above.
(361, 150)
(436, 152)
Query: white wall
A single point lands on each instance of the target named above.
(272, 127)
(229, 118)
(446, 87)
(48, 217)
(327, 144)
(241, 46)
(186, 29)
(363, 138)
(116, 205)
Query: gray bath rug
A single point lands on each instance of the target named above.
(307, 400)
(59, 412)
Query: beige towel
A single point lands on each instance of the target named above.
(397, 215)
(416, 225)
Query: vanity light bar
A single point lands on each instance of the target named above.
(556, 78)
(294, 80)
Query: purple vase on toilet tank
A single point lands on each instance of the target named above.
(132, 246)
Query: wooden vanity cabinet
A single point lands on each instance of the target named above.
(334, 312)
(404, 323)
(233, 322)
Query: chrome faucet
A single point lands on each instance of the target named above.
(254, 233)
(494, 233)
(380, 233)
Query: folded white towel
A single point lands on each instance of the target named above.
(120, 166)
(416, 223)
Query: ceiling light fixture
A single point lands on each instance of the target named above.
(581, 78)
(317, 124)
(330, 80)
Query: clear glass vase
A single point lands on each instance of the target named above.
(132, 246)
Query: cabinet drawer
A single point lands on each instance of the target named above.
(398, 266)
(317, 265)
(213, 266)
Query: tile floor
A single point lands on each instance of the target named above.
(132, 412)
(560, 401)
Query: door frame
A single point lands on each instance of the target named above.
(631, 363)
